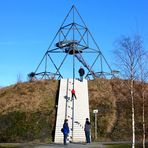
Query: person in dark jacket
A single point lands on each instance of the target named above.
(81, 73)
(87, 130)
(65, 131)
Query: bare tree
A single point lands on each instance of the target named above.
(19, 78)
(128, 56)
(143, 75)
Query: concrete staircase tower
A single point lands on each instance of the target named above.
(76, 111)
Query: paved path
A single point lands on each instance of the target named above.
(71, 145)
(93, 145)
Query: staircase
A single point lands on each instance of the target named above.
(80, 58)
(76, 111)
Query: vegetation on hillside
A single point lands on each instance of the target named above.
(112, 99)
(28, 110)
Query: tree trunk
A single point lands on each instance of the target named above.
(133, 113)
(143, 119)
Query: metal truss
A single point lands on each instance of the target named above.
(73, 46)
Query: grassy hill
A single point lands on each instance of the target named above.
(28, 110)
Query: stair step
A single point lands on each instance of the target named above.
(81, 110)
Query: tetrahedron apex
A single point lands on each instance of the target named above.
(72, 46)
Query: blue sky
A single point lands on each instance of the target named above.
(28, 26)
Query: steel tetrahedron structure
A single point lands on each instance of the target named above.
(72, 46)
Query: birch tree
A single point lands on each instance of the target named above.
(143, 75)
(127, 54)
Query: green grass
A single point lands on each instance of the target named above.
(118, 146)
(138, 145)
(8, 146)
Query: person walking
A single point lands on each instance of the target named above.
(65, 131)
(81, 73)
(87, 130)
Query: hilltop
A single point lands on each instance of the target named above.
(28, 110)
